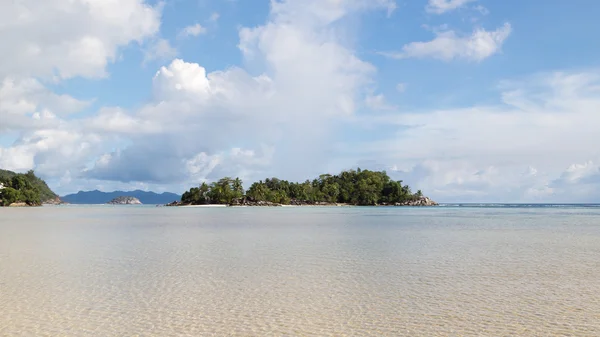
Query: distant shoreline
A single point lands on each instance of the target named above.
(322, 204)
(204, 206)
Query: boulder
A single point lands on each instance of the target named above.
(422, 201)
(125, 201)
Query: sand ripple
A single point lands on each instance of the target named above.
(298, 272)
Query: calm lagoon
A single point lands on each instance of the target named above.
(300, 271)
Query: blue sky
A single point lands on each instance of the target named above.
(468, 100)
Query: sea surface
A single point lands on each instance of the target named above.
(454, 270)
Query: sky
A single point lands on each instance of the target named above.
(467, 100)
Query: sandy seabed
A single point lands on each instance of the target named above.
(121, 271)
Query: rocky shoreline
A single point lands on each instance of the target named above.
(420, 202)
(55, 201)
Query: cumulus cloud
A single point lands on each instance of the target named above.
(25, 104)
(443, 6)
(118, 121)
(159, 49)
(194, 30)
(66, 39)
(579, 183)
(448, 45)
(51, 150)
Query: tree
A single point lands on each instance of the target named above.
(9, 195)
(237, 188)
(203, 193)
(31, 197)
(225, 191)
(258, 191)
(196, 195)
(19, 182)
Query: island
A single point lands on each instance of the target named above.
(348, 188)
(124, 200)
(25, 189)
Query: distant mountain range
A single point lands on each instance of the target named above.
(98, 197)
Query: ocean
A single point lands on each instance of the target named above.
(454, 270)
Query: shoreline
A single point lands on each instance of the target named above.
(203, 206)
(286, 205)
(420, 202)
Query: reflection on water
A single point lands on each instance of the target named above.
(100, 271)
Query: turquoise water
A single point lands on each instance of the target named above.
(300, 271)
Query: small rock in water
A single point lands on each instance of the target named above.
(125, 201)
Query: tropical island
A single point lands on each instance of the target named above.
(24, 189)
(353, 187)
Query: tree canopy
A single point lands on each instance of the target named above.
(224, 191)
(354, 187)
(27, 188)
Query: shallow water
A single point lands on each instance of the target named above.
(122, 271)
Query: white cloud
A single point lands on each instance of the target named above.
(377, 102)
(200, 166)
(482, 10)
(448, 46)
(214, 17)
(27, 104)
(159, 49)
(193, 30)
(65, 38)
(578, 172)
(443, 6)
(401, 87)
(51, 150)
(118, 122)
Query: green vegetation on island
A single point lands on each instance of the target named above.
(24, 188)
(354, 187)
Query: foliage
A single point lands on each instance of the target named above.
(45, 193)
(224, 191)
(11, 195)
(23, 188)
(356, 187)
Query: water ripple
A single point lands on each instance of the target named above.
(296, 272)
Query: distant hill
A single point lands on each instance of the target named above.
(98, 197)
